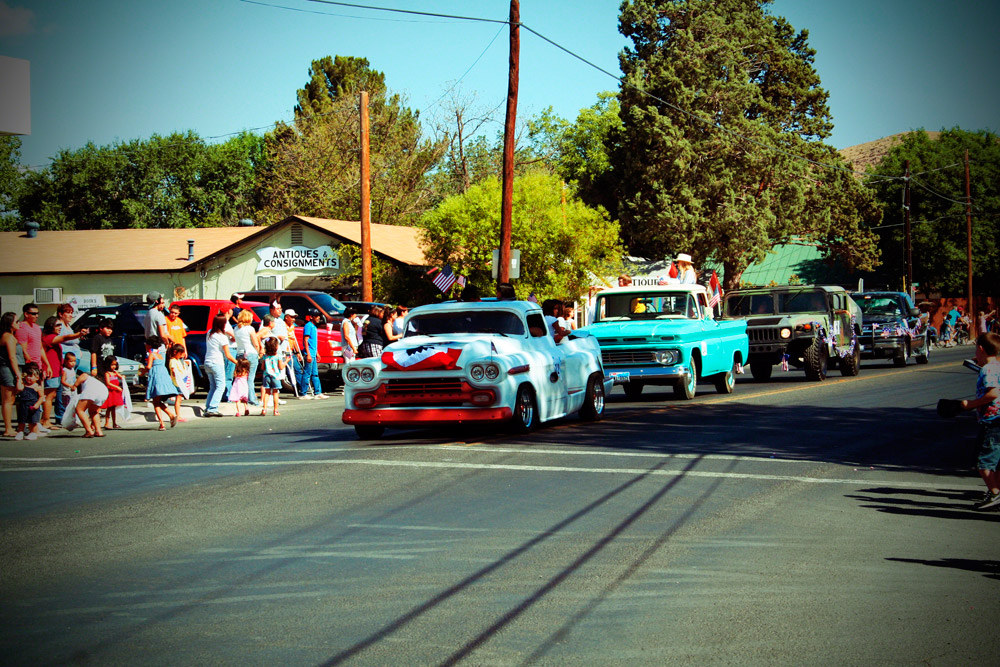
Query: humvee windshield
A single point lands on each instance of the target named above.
(652, 306)
(807, 301)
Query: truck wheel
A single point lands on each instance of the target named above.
(850, 366)
(726, 382)
(633, 390)
(369, 431)
(815, 359)
(761, 370)
(689, 387)
(525, 415)
(902, 356)
(593, 402)
(926, 356)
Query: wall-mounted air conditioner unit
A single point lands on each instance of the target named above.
(48, 295)
(268, 283)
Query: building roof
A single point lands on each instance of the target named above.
(394, 241)
(145, 250)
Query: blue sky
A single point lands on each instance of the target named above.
(116, 70)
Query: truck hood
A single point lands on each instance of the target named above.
(651, 329)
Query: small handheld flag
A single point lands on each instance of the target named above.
(445, 279)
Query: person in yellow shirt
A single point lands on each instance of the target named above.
(176, 330)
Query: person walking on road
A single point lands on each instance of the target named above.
(349, 334)
(248, 347)
(216, 355)
(987, 402)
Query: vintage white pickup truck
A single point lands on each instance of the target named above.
(490, 361)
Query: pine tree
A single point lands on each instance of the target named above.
(721, 151)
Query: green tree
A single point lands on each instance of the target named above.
(719, 102)
(562, 241)
(937, 210)
(10, 181)
(313, 166)
(164, 181)
(580, 152)
(391, 283)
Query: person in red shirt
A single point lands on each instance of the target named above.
(29, 335)
(51, 345)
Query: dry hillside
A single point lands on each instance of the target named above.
(871, 153)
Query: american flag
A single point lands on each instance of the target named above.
(460, 280)
(445, 279)
(532, 298)
(661, 281)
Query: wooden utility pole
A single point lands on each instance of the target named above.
(366, 206)
(909, 247)
(507, 190)
(968, 236)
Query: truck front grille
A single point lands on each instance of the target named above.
(626, 357)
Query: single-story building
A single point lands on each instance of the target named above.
(98, 267)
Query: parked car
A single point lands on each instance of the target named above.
(129, 331)
(133, 371)
(363, 306)
(475, 362)
(892, 328)
(300, 301)
(666, 336)
(197, 315)
(809, 326)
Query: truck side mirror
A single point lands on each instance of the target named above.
(914, 312)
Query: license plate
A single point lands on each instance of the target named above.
(619, 377)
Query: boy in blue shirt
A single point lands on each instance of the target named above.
(987, 402)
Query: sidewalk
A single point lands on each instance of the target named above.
(191, 409)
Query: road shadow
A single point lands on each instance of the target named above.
(952, 504)
(989, 568)
(881, 438)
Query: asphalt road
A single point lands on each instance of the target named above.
(788, 523)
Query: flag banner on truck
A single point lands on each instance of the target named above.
(422, 358)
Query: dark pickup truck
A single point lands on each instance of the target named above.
(892, 328)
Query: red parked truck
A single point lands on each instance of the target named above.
(197, 315)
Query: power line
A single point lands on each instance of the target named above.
(411, 11)
(938, 194)
(346, 16)
(459, 80)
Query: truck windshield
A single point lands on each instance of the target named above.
(648, 306)
(470, 321)
(879, 305)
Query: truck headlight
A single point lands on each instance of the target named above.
(367, 375)
(477, 373)
(785, 332)
(352, 375)
(492, 371)
(667, 357)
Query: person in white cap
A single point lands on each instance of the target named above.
(156, 319)
(685, 270)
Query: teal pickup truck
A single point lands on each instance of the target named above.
(666, 336)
